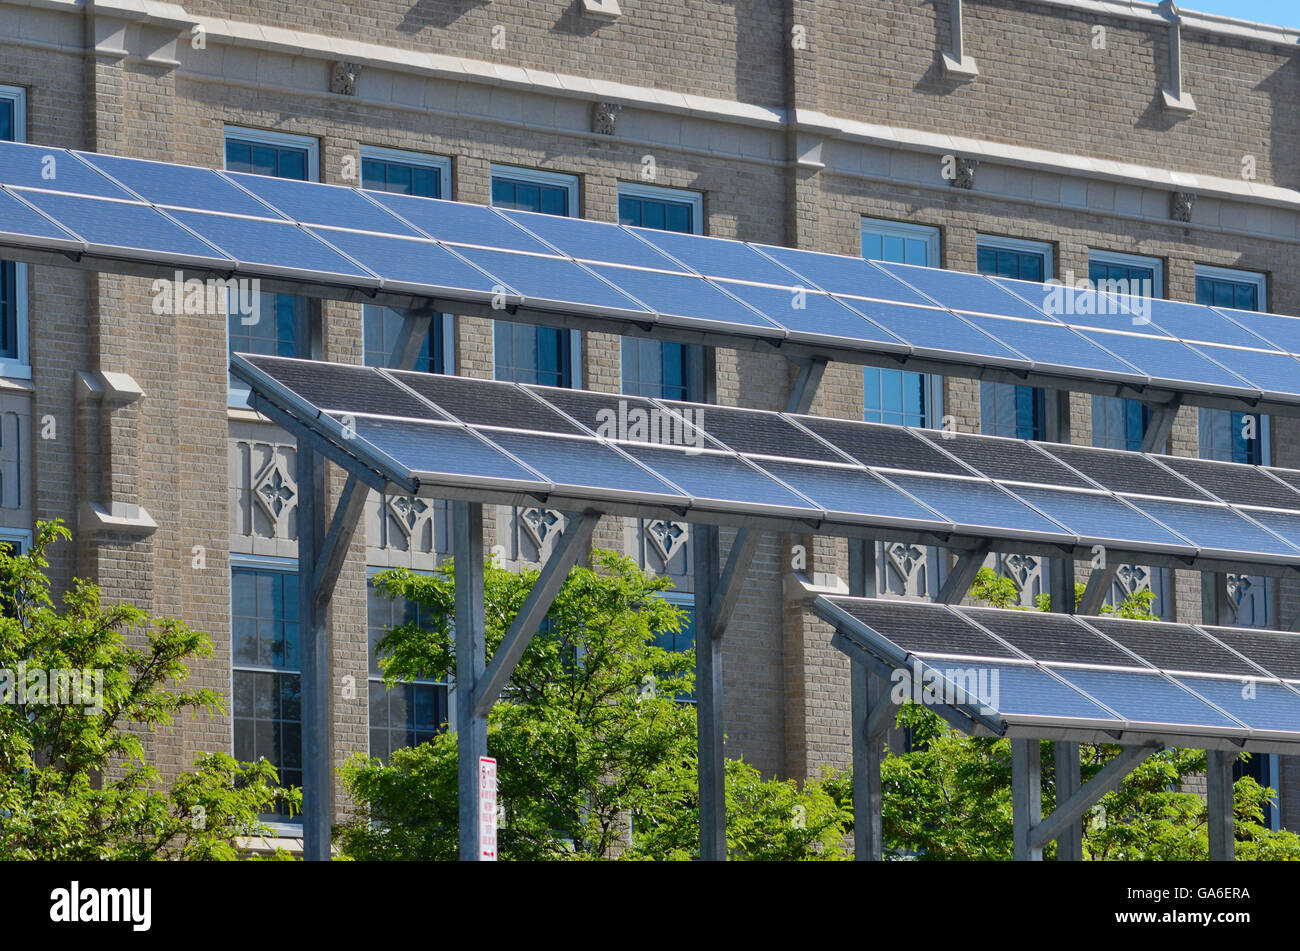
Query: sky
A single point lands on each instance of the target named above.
(1277, 12)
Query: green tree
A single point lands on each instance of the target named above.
(595, 749)
(75, 783)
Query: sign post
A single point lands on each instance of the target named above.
(487, 809)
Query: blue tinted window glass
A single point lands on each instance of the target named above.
(8, 272)
(403, 178)
(408, 713)
(278, 161)
(382, 325)
(1010, 410)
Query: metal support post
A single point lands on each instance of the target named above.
(1026, 798)
(471, 648)
(708, 693)
(314, 650)
(1069, 845)
(1219, 804)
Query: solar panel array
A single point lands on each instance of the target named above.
(439, 432)
(135, 211)
(1057, 671)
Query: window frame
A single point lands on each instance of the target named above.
(19, 366)
(1022, 245)
(1156, 266)
(907, 231)
(572, 186)
(1216, 273)
(442, 163)
(679, 196)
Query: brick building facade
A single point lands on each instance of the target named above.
(1049, 134)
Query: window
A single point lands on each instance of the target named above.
(1221, 287)
(651, 367)
(524, 353)
(1118, 423)
(1142, 277)
(13, 276)
(1005, 408)
(683, 640)
(284, 332)
(266, 679)
(409, 713)
(895, 396)
(427, 176)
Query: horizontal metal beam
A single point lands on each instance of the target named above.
(732, 582)
(573, 544)
(1087, 795)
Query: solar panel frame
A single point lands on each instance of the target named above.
(851, 327)
(781, 501)
(965, 292)
(593, 241)
(714, 257)
(23, 225)
(1235, 483)
(945, 324)
(811, 480)
(156, 183)
(397, 251)
(306, 203)
(27, 165)
(662, 292)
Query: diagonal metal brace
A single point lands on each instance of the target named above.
(732, 581)
(1099, 583)
(882, 715)
(334, 548)
(573, 544)
(1161, 425)
(805, 386)
(962, 575)
(414, 330)
(1108, 780)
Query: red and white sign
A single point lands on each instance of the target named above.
(487, 809)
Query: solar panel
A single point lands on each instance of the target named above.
(1197, 322)
(1055, 345)
(1285, 524)
(460, 223)
(37, 166)
(1214, 527)
(718, 477)
(1094, 516)
(1276, 651)
(180, 186)
(716, 257)
(1282, 332)
(606, 414)
(1235, 483)
(1144, 698)
(487, 402)
(1050, 637)
(685, 299)
(1080, 307)
(317, 204)
(416, 264)
(756, 432)
(973, 502)
(1026, 691)
(848, 490)
(441, 448)
(961, 290)
(593, 241)
(272, 244)
(1264, 706)
(1173, 646)
(934, 331)
(584, 463)
(1270, 372)
(842, 274)
(890, 447)
(917, 627)
(1167, 359)
(20, 221)
(551, 281)
(123, 225)
(813, 316)
(1125, 471)
(1008, 459)
(344, 388)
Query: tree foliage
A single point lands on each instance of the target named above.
(75, 780)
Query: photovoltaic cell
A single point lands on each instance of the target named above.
(1214, 527)
(683, 297)
(813, 314)
(317, 204)
(180, 186)
(1096, 516)
(918, 628)
(1167, 360)
(1269, 372)
(581, 462)
(847, 490)
(1173, 646)
(1050, 637)
(1080, 307)
(1029, 692)
(958, 290)
(841, 274)
(441, 448)
(1285, 524)
(601, 413)
(756, 432)
(1196, 322)
(343, 387)
(1277, 652)
(127, 225)
(1053, 345)
(707, 475)
(931, 329)
(1125, 472)
(460, 223)
(399, 261)
(1283, 332)
(35, 166)
(593, 241)
(487, 402)
(716, 257)
(269, 243)
(549, 279)
(17, 219)
(890, 447)
(969, 502)
(1235, 483)
(1270, 706)
(1144, 698)
(1009, 459)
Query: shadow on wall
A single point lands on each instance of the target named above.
(1282, 87)
(436, 13)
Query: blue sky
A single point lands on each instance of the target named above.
(1279, 12)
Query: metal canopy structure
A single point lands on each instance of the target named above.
(1029, 676)
(422, 254)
